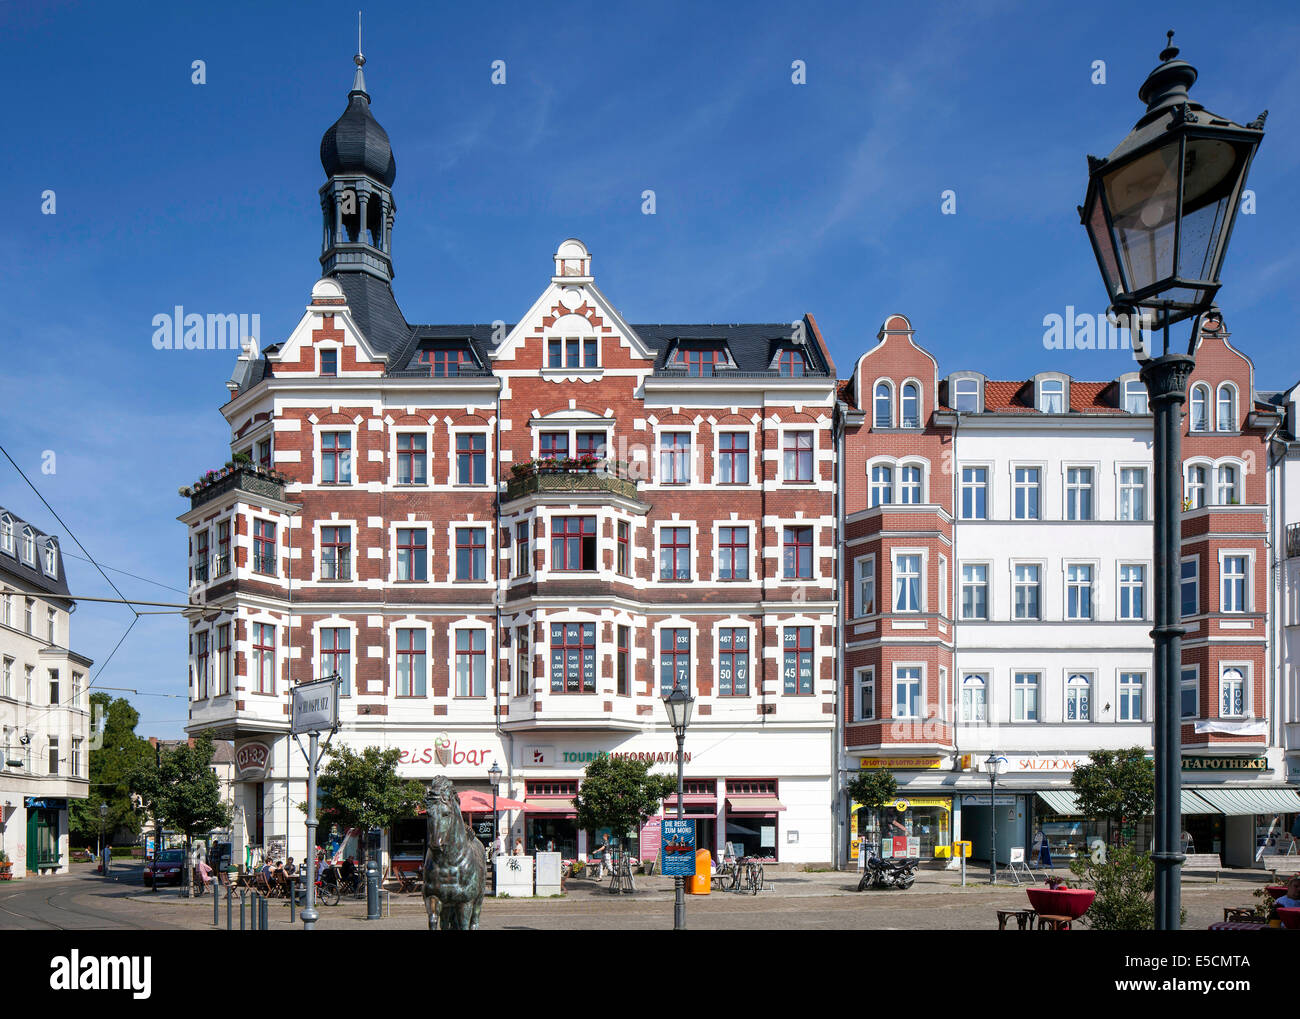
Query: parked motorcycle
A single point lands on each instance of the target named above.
(895, 873)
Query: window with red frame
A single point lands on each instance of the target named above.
(471, 553)
(201, 555)
(221, 565)
(264, 657)
(471, 663)
(733, 458)
(798, 456)
(797, 668)
(264, 453)
(674, 553)
(223, 659)
(733, 553)
(573, 658)
(264, 547)
(700, 360)
(412, 459)
(624, 667)
(674, 458)
(674, 659)
(591, 444)
(336, 656)
(410, 663)
(572, 352)
(201, 670)
(790, 363)
(573, 543)
(412, 554)
(445, 360)
(798, 553)
(553, 446)
(623, 558)
(329, 362)
(733, 661)
(336, 553)
(335, 458)
(471, 459)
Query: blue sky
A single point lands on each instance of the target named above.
(772, 199)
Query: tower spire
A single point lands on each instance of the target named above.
(359, 81)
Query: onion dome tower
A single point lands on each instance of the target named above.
(357, 200)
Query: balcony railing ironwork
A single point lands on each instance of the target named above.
(610, 476)
(245, 479)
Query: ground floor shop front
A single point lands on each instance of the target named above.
(767, 792)
(34, 835)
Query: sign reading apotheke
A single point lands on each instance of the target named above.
(1259, 763)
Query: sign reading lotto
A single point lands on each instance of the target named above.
(1259, 763)
(901, 763)
(678, 845)
(315, 707)
(252, 761)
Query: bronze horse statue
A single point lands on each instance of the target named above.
(454, 865)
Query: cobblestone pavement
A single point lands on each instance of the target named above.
(793, 901)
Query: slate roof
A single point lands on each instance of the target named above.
(752, 345)
(28, 578)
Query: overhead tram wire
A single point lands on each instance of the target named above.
(133, 576)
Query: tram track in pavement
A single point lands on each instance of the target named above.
(75, 919)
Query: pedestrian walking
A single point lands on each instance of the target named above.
(108, 858)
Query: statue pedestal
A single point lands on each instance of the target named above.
(514, 876)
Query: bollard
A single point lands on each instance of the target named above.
(293, 901)
(216, 903)
(230, 906)
(372, 890)
(242, 895)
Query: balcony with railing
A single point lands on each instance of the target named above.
(244, 477)
(540, 477)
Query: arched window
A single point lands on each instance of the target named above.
(1232, 694)
(1200, 407)
(1227, 408)
(974, 699)
(1052, 397)
(1135, 396)
(1225, 489)
(29, 546)
(1195, 487)
(911, 406)
(882, 485)
(1078, 698)
(884, 405)
(909, 485)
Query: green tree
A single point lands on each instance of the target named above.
(872, 788)
(111, 767)
(182, 790)
(1125, 883)
(1119, 785)
(620, 794)
(364, 790)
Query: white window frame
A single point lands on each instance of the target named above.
(875, 421)
(1195, 581)
(1068, 487)
(895, 576)
(902, 402)
(1121, 688)
(921, 485)
(1248, 604)
(1123, 488)
(899, 681)
(864, 688)
(860, 564)
(1130, 387)
(1230, 390)
(1018, 705)
(987, 585)
(1041, 566)
(974, 487)
(1246, 706)
(1205, 487)
(1195, 684)
(1201, 392)
(7, 534)
(1234, 493)
(1088, 686)
(1041, 394)
(957, 382)
(1121, 586)
(968, 714)
(1092, 565)
(1018, 486)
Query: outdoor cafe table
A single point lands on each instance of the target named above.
(1071, 902)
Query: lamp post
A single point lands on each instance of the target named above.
(1159, 211)
(993, 764)
(679, 704)
(103, 814)
(494, 778)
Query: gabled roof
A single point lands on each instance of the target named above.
(24, 576)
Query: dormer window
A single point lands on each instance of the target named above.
(790, 363)
(329, 362)
(6, 535)
(572, 352)
(966, 396)
(1051, 396)
(445, 359)
(1135, 396)
(29, 546)
(701, 359)
(52, 559)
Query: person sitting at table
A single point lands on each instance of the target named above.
(1292, 897)
(289, 868)
(349, 871)
(519, 847)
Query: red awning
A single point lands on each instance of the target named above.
(550, 805)
(475, 801)
(692, 800)
(753, 804)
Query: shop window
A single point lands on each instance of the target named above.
(573, 658)
(797, 667)
(733, 662)
(674, 659)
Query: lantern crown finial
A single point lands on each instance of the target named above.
(1167, 85)
(1170, 51)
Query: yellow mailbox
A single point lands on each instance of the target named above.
(942, 852)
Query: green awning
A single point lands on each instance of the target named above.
(1238, 802)
(1193, 804)
(1060, 802)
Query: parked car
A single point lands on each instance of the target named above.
(169, 865)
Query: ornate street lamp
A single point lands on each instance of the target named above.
(1159, 211)
(679, 704)
(494, 779)
(993, 765)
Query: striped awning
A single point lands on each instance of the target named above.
(1060, 802)
(1238, 802)
(1193, 804)
(753, 804)
(549, 805)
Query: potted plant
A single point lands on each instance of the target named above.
(1055, 883)
(1266, 908)
(6, 867)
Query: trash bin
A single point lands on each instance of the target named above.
(699, 884)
